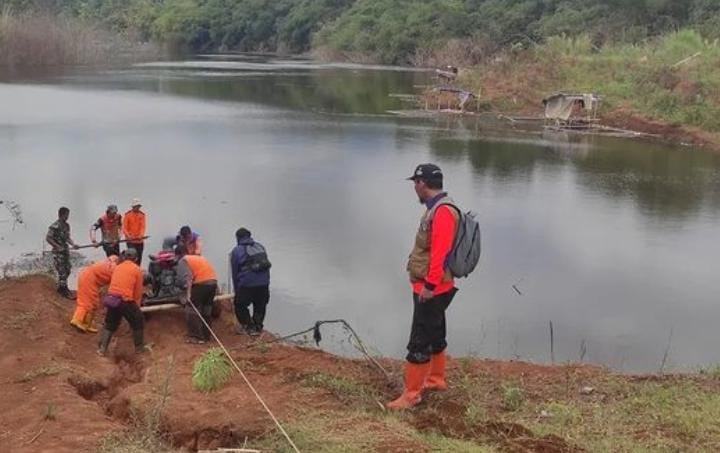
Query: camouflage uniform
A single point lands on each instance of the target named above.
(59, 231)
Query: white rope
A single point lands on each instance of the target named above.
(247, 381)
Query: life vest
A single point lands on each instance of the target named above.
(111, 227)
(419, 260)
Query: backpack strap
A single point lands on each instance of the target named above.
(446, 201)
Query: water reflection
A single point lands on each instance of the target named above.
(606, 238)
(665, 183)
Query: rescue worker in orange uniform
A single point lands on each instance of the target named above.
(197, 277)
(123, 300)
(433, 288)
(134, 225)
(110, 226)
(190, 240)
(90, 280)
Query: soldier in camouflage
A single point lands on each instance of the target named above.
(58, 237)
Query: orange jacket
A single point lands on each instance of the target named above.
(200, 269)
(127, 282)
(134, 226)
(91, 279)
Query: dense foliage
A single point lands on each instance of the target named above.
(392, 31)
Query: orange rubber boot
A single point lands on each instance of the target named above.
(88, 322)
(415, 375)
(436, 378)
(78, 319)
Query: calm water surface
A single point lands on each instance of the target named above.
(614, 241)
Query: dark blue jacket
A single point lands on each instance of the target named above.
(241, 279)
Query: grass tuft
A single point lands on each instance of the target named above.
(211, 371)
(44, 371)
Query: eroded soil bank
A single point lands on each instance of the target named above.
(58, 395)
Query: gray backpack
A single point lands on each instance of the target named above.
(465, 253)
(257, 259)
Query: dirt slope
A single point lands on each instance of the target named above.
(56, 385)
(58, 395)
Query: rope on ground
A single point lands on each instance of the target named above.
(247, 381)
(317, 337)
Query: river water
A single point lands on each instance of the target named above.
(614, 241)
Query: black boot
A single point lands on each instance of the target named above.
(66, 292)
(105, 337)
(139, 340)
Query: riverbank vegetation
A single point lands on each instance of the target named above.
(652, 60)
(673, 79)
(35, 41)
(388, 31)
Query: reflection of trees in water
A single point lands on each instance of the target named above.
(336, 90)
(664, 183)
(503, 160)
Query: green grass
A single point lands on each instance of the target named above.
(358, 431)
(344, 389)
(211, 371)
(340, 432)
(673, 78)
(643, 416)
(512, 397)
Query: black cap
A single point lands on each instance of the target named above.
(427, 172)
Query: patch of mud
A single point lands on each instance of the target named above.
(87, 387)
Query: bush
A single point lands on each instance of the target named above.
(211, 371)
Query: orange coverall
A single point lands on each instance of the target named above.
(91, 279)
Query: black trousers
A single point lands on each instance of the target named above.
(201, 296)
(138, 248)
(128, 310)
(111, 249)
(428, 332)
(258, 297)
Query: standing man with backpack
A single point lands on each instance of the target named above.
(251, 279)
(433, 287)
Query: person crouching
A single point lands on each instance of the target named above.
(197, 277)
(123, 301)
(90, 281)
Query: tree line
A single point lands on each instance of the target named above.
(388, 31)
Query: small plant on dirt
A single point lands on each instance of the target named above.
(48, 370)
(474, 413)
(512, 397)
(22, 320)
(211, 371)
(50, 412)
